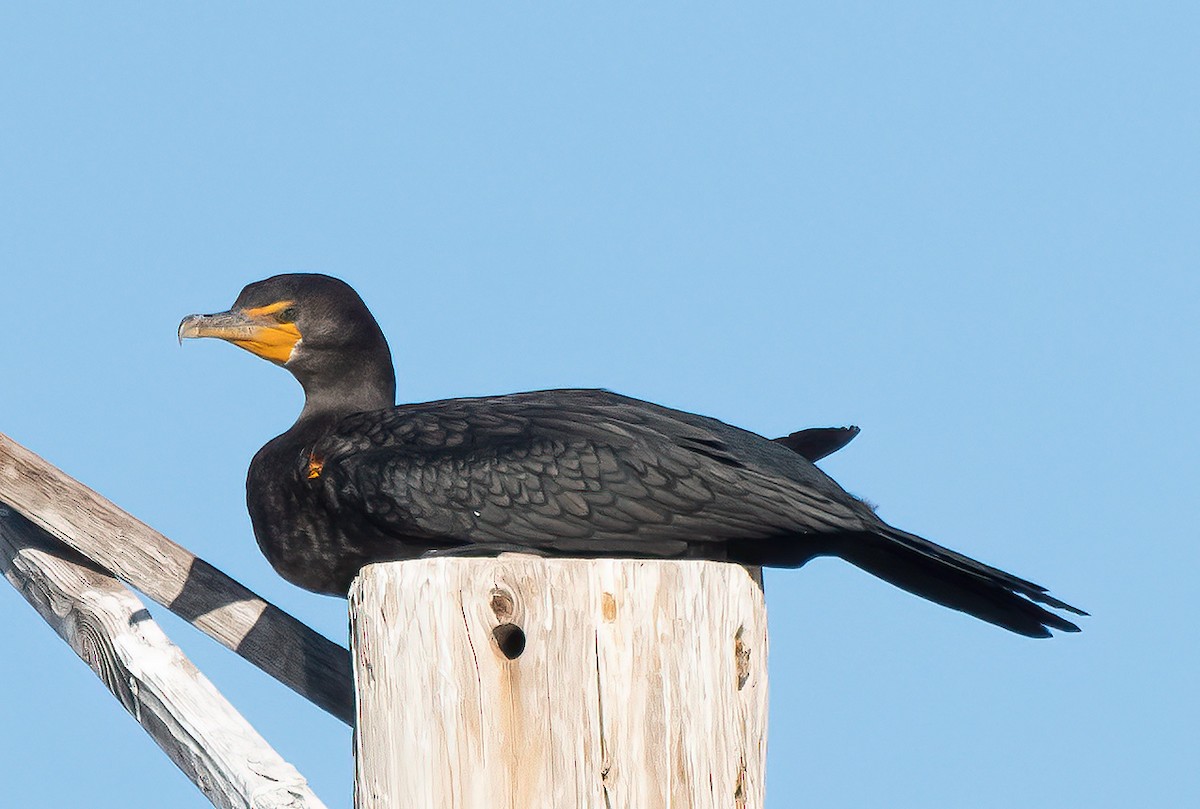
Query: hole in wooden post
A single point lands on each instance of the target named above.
(741, 658)
(510, 638)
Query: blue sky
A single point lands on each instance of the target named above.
(970, 229)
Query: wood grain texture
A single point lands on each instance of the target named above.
(109, 627)
(642, 684)
(274, 641)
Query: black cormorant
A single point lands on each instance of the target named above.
(583, 473)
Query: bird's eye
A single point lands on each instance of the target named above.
(287, 315)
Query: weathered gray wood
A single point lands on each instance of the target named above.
(641, 684)
(304, 660)
(108, 626)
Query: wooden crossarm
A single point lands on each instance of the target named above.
(300, 658)
(108, 626)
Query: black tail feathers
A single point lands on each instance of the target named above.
(956, 581)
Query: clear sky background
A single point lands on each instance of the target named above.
(970, 229)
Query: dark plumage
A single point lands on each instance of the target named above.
(557, 472)
(817, 442)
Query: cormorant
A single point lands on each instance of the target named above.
(585, 473)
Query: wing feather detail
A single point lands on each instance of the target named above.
(585, 467)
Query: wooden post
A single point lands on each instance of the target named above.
(520, 681)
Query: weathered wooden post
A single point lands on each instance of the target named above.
(520, 681)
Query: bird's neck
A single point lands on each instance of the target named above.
(349, 388)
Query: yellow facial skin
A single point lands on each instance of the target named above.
(259, 330)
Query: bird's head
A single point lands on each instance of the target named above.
(315, 326)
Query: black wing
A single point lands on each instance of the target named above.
(576, 472)
(588, 473)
